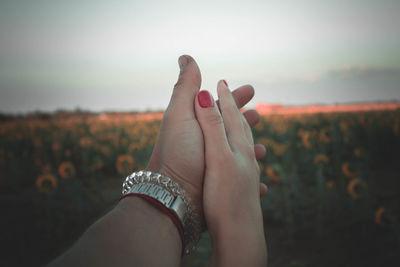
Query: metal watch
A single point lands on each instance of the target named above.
(171, 195)
(174, 203)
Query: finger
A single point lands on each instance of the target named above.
(231, 115)
(260, 151)
(242, 95)
(252, 117)
(263, 189)
(212, 126)
(186, 87)
(247, 129)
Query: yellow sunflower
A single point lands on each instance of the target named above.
(346, 170)
(321, 158)
(46, 183)
(357, 152)
(305, 137)
(86, 141)
(330, 184)
(273, 176)
(378, 215)
(66, 170)
(324, 137)
(124, 164)
(355, 185)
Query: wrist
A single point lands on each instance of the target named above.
(133, 208)
(246, 228)
(169, 196)
(239, 244)
(227, 208)
(237, 230)
(193, 192)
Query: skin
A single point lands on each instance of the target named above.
(134, 231)
(179, 150)
(231, 184)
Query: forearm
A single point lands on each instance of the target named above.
(240, 242)
(130, 235)
(240, 249)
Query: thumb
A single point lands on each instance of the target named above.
(212, 126)
(187, 86)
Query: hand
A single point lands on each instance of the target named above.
(126, 235)
(179, 150)
(231, 204)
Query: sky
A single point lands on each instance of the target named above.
(122, 55)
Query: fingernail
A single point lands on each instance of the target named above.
(182, 62)
(225, 83)
(205, 99)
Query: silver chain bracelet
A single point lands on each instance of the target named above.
(174, 198)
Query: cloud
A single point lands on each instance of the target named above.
(343, 85)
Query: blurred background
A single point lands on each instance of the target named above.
(99, 55)
(83, 85)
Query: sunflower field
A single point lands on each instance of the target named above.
(333, 181)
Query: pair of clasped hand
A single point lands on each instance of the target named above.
(207, 147)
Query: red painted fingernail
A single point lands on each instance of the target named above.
(205, 99)
(225, 83)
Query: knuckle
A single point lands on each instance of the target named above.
(245, 124)
(213, 119)
(257, 166)
(249, 151)
(230, 110)
(179, 83)
(187, 80)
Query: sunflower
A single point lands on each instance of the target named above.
(123, 142)
(134, 146)
(37, 143)
(97, 164)
(66, 170)
(324, 137)
(396, 128)
(86, 141)
(355, 185)
(55, 146)
(344, 127)
(46, 168)
(321, 158)
(273, 176)
(330, 184)
(278, 148)
(305, 137)
(67, 153)
(378, 215)
(357, 152)
(346, 170)
(105, 150)
(46, 183)
(124, 164)
(280, 126)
